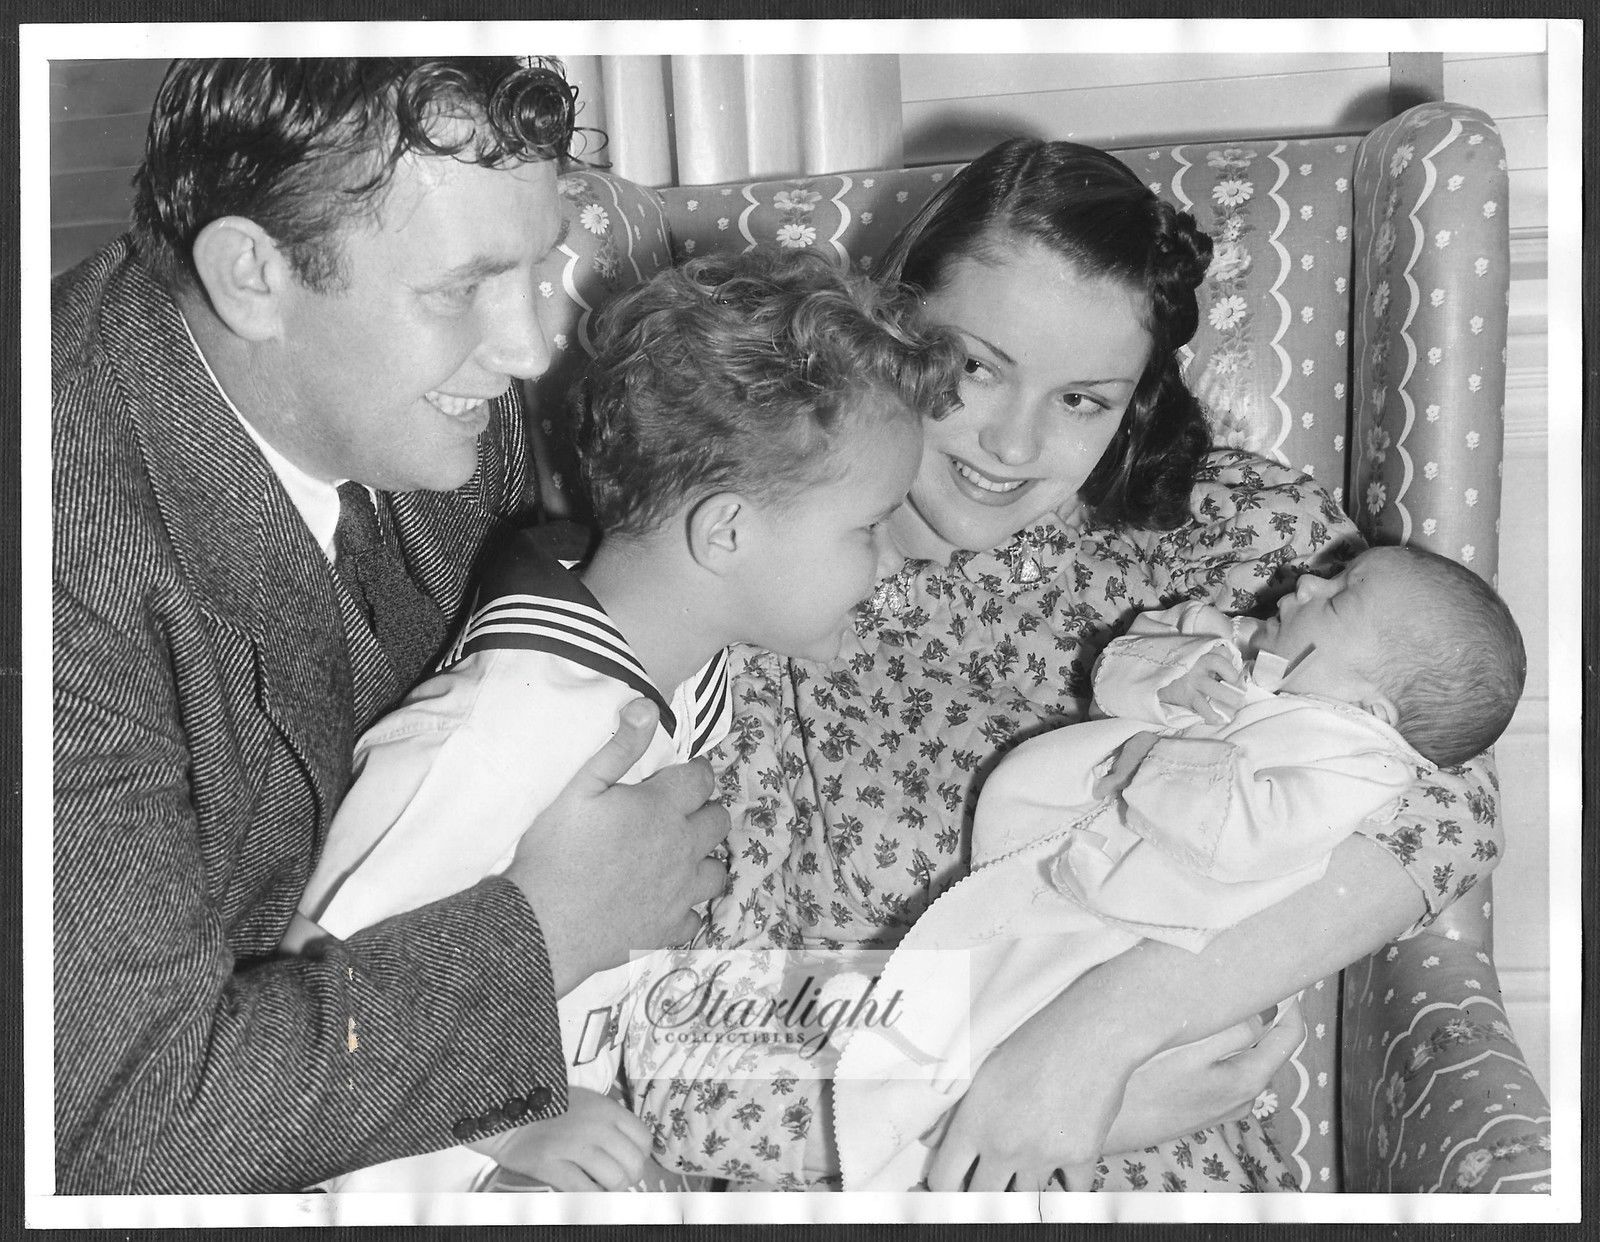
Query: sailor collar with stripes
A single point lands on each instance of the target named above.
(531, 601)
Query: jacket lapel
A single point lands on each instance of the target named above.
(249, 557)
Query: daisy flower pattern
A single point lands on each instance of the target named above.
(796, 206)
(1232, 192)
(1227, 312)
(594, 218)
(796, 236)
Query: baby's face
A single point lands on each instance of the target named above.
(1342, 619)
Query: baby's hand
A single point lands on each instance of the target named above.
(1128, 758)
(597, 1144)
(1195, 689)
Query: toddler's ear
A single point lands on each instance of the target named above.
(715, 530)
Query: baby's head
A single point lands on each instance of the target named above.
(768, 406)
(1412, 637)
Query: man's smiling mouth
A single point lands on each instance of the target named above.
(455, 407)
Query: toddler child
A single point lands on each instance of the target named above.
(745, 427)
(1235, 754)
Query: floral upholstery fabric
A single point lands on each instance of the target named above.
(1352, 327)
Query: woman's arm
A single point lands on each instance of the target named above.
(1047, 1097)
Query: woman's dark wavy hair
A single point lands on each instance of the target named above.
(303, 147)
(1089, 208)
(736, 373)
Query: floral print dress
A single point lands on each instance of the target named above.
(853, 784)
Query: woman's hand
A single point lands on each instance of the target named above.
(1017, 1128)
(597, 1144)
(1196, 1086)
(1037, 1105)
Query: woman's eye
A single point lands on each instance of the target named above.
(977, 368)
(1080, 404)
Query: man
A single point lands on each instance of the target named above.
(330, 281)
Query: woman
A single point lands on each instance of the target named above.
(1072, 488)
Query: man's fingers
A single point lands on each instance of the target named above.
(710, 824)
(635, 727)
(710, 878)
(687, 789)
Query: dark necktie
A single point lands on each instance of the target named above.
(408, 625)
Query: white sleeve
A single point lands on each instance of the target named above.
(446, 785)
(1158, 648)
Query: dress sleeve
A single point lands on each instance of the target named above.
(1251, 521)
(1447, 833)
(755, 783)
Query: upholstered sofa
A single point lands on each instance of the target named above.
(1353, 325)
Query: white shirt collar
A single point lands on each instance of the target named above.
(316, 501)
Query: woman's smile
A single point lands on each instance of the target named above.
(985, 488)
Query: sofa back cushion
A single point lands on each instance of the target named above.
(1363, 344)
(1272, 354)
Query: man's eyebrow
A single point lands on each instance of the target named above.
(481, 267)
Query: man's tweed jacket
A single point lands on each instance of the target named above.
(210, 679)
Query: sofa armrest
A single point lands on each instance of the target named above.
(1436, 1095)
(1431, 274)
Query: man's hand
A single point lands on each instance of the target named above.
(1196, 689)
(597, 1144)
(611, 868)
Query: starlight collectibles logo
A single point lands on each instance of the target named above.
(772, 1014)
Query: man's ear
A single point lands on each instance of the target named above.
(244, 274)
(717, 530)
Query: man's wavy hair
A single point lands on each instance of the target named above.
(737, 373)
(1090, 209)
(307, 147)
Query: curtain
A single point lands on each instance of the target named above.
(693, 120)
